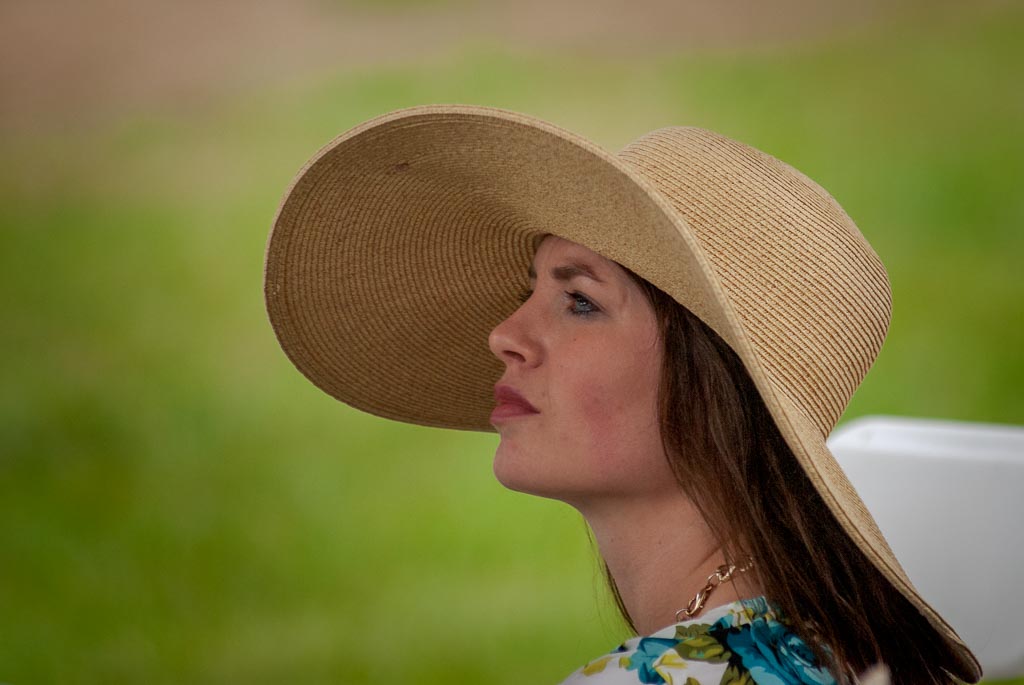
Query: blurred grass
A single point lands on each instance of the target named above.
(179, 505)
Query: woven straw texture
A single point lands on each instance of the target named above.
(404, 241)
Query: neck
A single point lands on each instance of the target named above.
(660, 552)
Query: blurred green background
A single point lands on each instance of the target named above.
(179, 505)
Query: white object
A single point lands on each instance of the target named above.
(949, 498)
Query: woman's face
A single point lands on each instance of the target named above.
(577, 406)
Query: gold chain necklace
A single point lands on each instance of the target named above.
(722, 574)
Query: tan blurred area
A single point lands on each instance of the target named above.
(70, 64)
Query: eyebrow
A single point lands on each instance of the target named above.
(568, 272)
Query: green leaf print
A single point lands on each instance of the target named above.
(697, 644)
(734, 675)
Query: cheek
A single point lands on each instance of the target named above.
(617, 410)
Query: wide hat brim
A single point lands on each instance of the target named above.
(405, 240)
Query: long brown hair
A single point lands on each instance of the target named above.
(730, 459)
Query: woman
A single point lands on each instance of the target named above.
(673, 332)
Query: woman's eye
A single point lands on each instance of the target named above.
(581, 305)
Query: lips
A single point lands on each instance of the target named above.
(510, 404)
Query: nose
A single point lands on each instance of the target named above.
(514, 341)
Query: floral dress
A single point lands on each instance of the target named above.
(742, 643)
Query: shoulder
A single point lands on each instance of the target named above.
(743, 642)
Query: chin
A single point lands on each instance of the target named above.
(520, 474)
(516, 472)
(508, 470)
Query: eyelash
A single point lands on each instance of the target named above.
(576, 298)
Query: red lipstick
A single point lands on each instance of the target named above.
(510, 404)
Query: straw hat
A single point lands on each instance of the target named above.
(405, 240)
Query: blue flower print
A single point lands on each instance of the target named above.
(647, 652)
(776, 656)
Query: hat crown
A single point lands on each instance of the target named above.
(809, 290)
